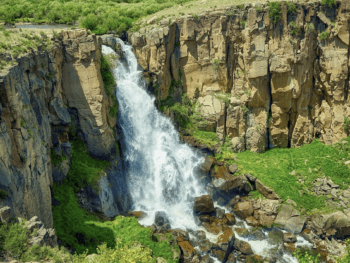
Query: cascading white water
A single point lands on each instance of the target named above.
(160, 169)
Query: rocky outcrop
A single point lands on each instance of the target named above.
(43, 96)
(262, 84)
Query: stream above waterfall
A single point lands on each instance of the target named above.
(161, 170)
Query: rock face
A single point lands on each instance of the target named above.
(290, 219)
(41, 97)
(260, 84)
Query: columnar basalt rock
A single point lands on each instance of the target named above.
(287, 85)
(40, 96)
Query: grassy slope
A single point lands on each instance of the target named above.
(99, 16)
(70, 219)
(274, 166)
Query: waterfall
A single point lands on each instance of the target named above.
(160, 169)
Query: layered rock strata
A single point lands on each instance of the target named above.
(260, 83)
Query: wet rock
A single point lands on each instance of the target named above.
(234, 200)
(226, 240)
(258, 235)
(203, 204)
(243, 247)
(219, 213)
(181, 235)
(208, 163)
(289, 238)
(251, 221)
(231, 258)
(231, 220)
(290, 219)
(204, 246)
(220, 255)
(207, 259)
(212, 227)
(276, 236)
(265, 191)
(204, 218)
(243, 209)
(187, 250)
(161, 219)
(265, 220)
(289, 247)
(137, 214)
(199, 234)
(221, 201)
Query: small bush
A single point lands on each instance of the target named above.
(294, 30)
(243, 23)
(275, 11)
(291, 8)
(324, 35)
(330, 3)
(91, 22)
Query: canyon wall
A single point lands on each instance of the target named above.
(45, 95)
(286, 82)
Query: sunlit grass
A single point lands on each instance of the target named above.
(281, 169)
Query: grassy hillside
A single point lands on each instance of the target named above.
(96, 15)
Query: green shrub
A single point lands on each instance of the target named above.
(291, 8)
(275, 11)
(294, 30)
(91, 22)
(182, 113)
(324, 35)
(243, 23)
(330, 3)
(14, 239)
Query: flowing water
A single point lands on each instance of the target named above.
(160, 169)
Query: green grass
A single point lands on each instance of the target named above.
(70, 219)
(274, 166)
(96, 15)
(84, 167)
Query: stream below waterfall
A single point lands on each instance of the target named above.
(161, 170)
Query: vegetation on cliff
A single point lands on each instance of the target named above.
(98, 16)
(15, 42)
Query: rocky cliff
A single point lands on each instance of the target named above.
(262, 83)
(45, 95)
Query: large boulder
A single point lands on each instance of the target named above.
(226, 240)
(265, 191)
(290, 219)
(243, 247)
(243, 209)
(203, 205)
(161, 219)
